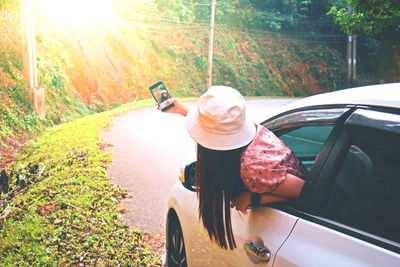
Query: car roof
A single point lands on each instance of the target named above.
(381, 95)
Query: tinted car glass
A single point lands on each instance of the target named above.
(306, 142)
(316, 116)
(365, 192)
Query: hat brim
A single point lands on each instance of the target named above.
(219, 141)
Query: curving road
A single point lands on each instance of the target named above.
(149, 148)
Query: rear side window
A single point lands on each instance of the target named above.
(306, 142)
(365, 192)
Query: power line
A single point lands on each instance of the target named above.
(195, 3)
(249, 30)
(160, 26)
(165, 19)
(168, 20)
(298, 40)
(194, 25)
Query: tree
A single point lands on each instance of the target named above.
(371, 17)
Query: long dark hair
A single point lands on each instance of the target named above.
(218, 182)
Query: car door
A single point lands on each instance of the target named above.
(260, 233)
(352, 216)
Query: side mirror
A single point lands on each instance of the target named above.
(187, 176)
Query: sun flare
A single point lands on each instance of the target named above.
(76, 12)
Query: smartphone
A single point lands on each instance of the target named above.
(161, 95)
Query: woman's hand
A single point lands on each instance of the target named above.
(242, 202)
(178, 108)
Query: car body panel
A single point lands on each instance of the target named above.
(311, 244)
(382, 95)
(263, 225)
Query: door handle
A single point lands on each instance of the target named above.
(261, 254)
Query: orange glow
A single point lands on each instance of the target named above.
(77, 12)
(106, 46)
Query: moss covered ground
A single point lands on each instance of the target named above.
(60, 208)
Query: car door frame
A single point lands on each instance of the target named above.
(333, 115)
(361, 116)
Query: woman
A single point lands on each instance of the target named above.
(239, 163)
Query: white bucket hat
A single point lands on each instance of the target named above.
(219, 122)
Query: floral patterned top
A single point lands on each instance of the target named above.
(265, 162)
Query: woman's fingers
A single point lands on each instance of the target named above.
(177, 108)
(242, 202)
(241, 208)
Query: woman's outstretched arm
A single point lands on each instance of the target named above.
(289, 189)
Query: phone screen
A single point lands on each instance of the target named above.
(160, 94)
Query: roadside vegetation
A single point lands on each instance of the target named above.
(60, 208)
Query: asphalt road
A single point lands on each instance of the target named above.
(149, 148)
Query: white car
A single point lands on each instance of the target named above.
(348, 212)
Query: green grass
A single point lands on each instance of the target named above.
(63, 209)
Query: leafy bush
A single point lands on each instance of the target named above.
(61, 209)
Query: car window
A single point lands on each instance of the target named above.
(365, 191)
(306, 142)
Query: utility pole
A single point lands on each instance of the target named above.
(34, 92)
(354, 56)
(349, 57)
(351, 54)
(210, 48)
